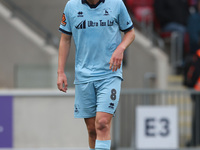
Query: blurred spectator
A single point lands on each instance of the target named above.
(194, 35)
(194, 30)
(195, 141)
(192, 80)
(172, 14)
(193, 6)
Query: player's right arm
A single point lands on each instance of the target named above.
(64, 48)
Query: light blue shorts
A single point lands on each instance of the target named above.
(98, 96)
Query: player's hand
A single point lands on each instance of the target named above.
(116, 59)
(62, 82)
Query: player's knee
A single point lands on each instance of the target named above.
(102, 124)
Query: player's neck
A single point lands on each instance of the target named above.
(92, 2)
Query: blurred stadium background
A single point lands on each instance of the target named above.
(35, 115)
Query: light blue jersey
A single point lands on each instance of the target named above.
(96, 33)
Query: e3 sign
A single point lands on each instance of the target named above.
(156, 127)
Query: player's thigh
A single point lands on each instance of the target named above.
(108, 95)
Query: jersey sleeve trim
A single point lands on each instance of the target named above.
(128, 29)
(66, 32)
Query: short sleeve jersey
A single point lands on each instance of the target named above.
(96, 33)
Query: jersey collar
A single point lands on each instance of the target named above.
(92, 6)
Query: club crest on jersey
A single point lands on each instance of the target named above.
(106, 12)
(80, 14)
(128, 22)
(63, 22)
(76, 108)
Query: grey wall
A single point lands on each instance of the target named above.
(139, 63)
(46, 12)
(143, 59)
(45, 119)
(16, 49)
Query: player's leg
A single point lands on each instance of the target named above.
(85, 107)
(90, 124)
(103, 125)
(108, 92)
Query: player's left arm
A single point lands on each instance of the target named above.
(117, 56)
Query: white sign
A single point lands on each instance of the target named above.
(156, 127)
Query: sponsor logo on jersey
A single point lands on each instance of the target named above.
(80, 14)
(81, 25)
(63, 22)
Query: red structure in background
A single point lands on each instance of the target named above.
(142, 9)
